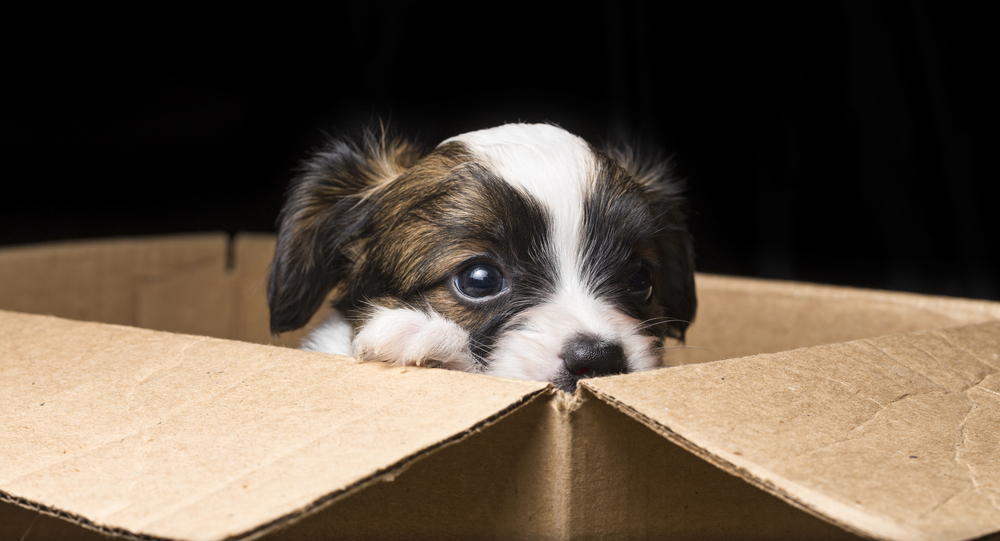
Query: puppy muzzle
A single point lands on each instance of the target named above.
(588, 356)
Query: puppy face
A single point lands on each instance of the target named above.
(519, 251)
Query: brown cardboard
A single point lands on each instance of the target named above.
(137, 430)
(895, 437)
(100, 281)
(183, 283)
(742, 316)
(149, 434)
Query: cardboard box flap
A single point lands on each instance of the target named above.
(894, 438)
(147, 433)
(738, 317)
(99, 280)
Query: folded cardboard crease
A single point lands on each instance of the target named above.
(836, 413)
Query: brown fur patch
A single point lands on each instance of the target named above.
(441, 216)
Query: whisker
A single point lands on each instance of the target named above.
(478, 361)
(643, 325)
(488, 348)
(652, 322)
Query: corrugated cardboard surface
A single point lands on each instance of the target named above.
(895, 437)
(152, 434)
(101, 281)
(202, 284)
(742, 316)
(188, 437)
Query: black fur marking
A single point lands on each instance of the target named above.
(628, 224)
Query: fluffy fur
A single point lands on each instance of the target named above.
(519, 251)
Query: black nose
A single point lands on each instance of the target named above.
(587, 356)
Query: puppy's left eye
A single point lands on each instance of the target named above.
(479, 281)
(640, 287)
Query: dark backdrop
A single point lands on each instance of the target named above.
(838, 142)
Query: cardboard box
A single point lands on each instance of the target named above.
(886, 425)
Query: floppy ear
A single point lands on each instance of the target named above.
(676, 290)
(325, 209)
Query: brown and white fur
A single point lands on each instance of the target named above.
(519, 251)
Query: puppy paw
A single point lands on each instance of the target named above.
(411, 337)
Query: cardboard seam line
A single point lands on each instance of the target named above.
(564, 405)
(725, 465)
(230, 261)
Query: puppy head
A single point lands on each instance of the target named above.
(518, 251)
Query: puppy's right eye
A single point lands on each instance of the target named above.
(479, 281)
(640, 286)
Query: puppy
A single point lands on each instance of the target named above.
(519, 251)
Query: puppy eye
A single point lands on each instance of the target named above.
(640, 287)
(479, 281)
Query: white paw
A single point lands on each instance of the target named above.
(411, 337)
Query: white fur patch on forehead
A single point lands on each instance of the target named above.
(548, 163)
(542, 159)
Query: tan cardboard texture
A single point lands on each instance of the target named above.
(184, 437)
(895, 437)
(741, 316)
(99, 281)
(188, 437)
(884, 426)
(197, 284)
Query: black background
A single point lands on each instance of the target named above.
(838, 142)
